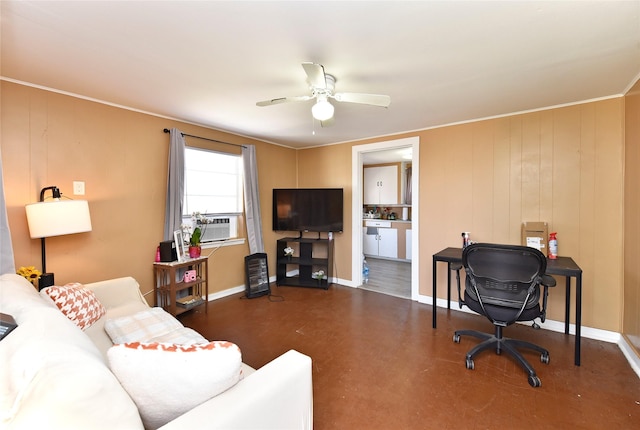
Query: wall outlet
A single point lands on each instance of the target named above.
(78, 188)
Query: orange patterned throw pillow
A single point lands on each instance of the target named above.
(166, 380)
(78, 303)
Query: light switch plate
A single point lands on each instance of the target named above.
(78, 188)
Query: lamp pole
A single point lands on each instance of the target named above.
(46, 279)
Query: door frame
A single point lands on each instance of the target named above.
(357, 202)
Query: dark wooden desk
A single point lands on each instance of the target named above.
(561, 266)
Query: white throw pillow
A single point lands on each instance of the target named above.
(167, 380)
(151, 325)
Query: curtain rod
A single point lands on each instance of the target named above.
(166, 130)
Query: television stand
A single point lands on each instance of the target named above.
(313, 259)
(301, 232)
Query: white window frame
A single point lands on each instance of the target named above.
(191, 213)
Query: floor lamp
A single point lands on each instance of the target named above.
(55, 217)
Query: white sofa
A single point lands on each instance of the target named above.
(53, 375)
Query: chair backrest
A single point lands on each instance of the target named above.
(504, 275)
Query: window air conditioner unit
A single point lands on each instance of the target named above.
(216, 229)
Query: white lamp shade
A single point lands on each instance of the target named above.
(58, 217)
(323, 110)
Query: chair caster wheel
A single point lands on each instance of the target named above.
(544, 358)
(470, 364)
(534, 381)
(456, 338)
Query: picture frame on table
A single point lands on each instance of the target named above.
(180, 247)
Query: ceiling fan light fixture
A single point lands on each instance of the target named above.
(322, 110)
(321, 86)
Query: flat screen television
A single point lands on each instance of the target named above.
(308, 209)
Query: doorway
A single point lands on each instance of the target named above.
(358, 155)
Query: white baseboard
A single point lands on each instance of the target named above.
(225, 293)
(632, 357)
(240, 289)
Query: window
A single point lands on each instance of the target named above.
(212, 189)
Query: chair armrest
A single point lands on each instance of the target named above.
(279, 395)
(548, 281)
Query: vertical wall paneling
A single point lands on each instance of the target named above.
(516, 216)
(562, 166)
(546, 165)
(54, 139)
(531, 167)
(482, 207)
(631, 313)
(501, 183)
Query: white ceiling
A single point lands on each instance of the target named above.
(209, 62)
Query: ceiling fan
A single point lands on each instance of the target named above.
(322, 87)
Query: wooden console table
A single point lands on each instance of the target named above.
(167, 282)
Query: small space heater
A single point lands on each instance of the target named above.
(257, 275)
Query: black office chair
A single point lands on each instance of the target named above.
(503, 283)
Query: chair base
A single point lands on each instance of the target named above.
(500, 344)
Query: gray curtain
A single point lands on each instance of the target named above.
(407, 189)
(175, 185)
(252, 199)
(7, 264)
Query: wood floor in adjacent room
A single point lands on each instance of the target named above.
(391, 277)
(378, 364)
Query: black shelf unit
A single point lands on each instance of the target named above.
(310, 256)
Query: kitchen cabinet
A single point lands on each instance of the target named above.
(384, 243)
(380, 185)
(369, 242)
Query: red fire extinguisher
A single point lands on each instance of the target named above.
(553, 246)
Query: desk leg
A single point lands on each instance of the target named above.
(433, 293)
(448, 287)
(578, 317)
(567, 304)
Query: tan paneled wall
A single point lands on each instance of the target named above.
(53, 139)
(631, 323)
(563, 166)
(330, 166)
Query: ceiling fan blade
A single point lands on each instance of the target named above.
(283, 100)
(315, 73)
(366, 99)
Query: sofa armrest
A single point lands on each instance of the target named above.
(114, 293)
(279, 395)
